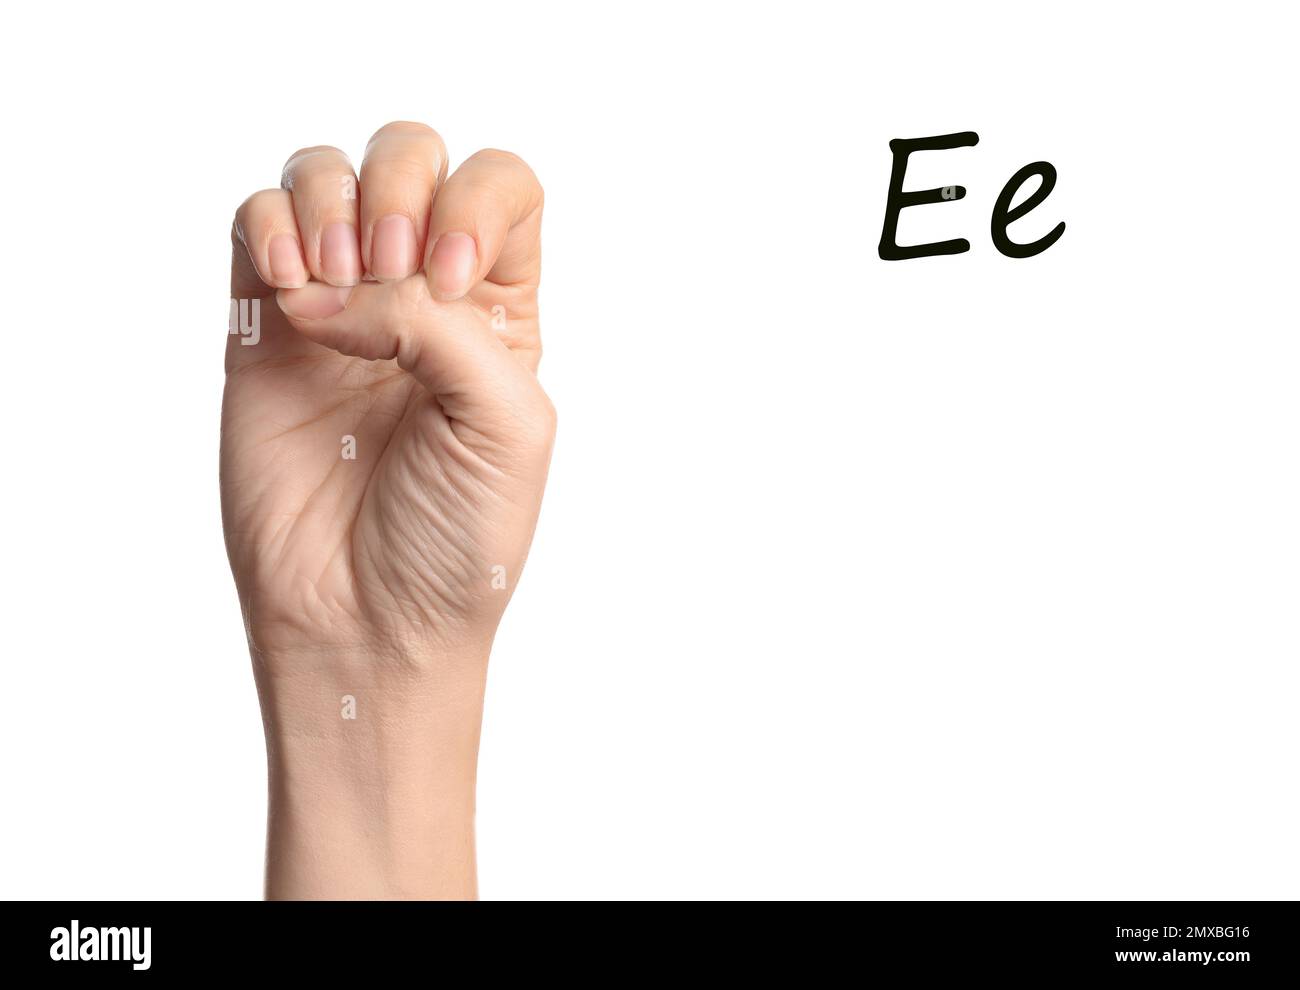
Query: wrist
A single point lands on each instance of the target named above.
(371, 767)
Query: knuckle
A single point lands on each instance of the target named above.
(498, 157)
(411, 128)
(401, 168)
(512, 170)
(409, 297)
(260, 204)
(481, 187)
(408, 129)
(305, 160)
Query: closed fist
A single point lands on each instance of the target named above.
(385, 440)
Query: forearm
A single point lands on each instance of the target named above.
(380, 805)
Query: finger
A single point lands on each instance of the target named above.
(486, 224)
(403, 165)
(266, 253)
(324, 191)
(449, 348)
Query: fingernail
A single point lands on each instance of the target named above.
(314, 301)
(392, 248)
(452, 265)
(340, 258)
(287, 269)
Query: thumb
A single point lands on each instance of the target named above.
(448, 347)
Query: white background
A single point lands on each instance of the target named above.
(962, 577)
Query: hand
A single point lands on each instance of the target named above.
(384, 448)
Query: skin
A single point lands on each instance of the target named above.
(398, 308)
